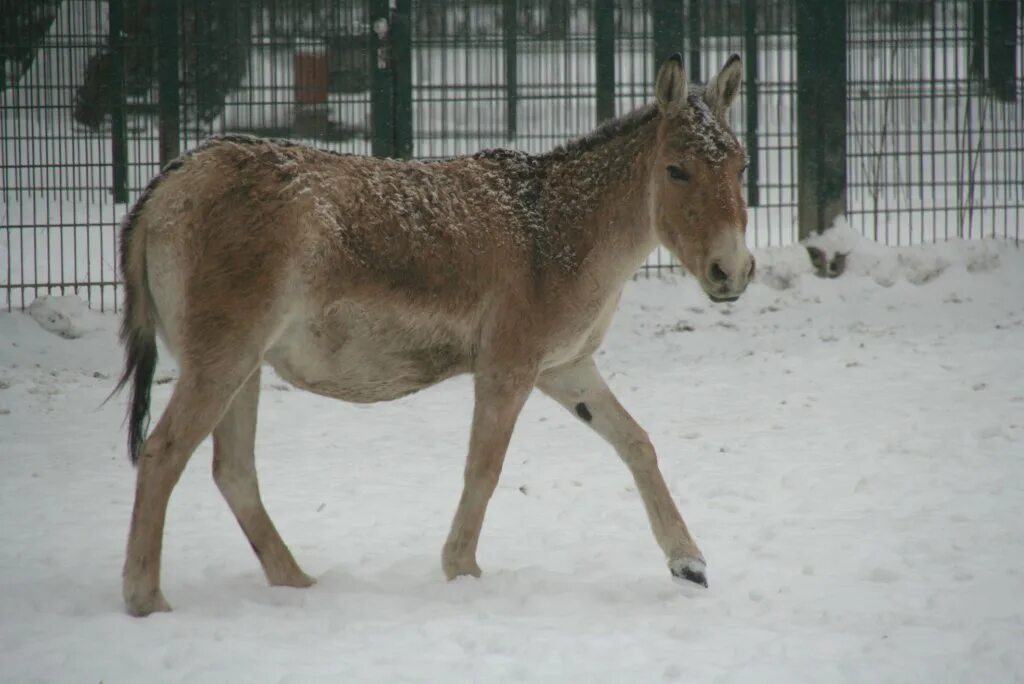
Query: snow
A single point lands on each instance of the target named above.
(846, 452)
(68, 316)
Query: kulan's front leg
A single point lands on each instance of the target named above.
(500, 395)
(581, 389)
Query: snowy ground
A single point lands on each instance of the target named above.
(849, 454)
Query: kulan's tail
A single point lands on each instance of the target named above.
(138, 330)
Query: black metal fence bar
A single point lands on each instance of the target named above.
(118, 105)
(169, 99)
(821, 114)
(96, 94)
(751, 84)
(604, 58)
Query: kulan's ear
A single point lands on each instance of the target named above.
(725, 86)
(670, 85)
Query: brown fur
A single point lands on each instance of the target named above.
(367, 279)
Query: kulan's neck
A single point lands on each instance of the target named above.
(597, 191)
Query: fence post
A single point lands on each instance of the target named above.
(821, 113)
(118, 118)
(667, 17)
(382, 103)
(509, 15)
(604, 59)
(750, 80)
(976, 38)
(168, 81)
(695, 26)
(310, 85)
(401, 55)
(1002, 49)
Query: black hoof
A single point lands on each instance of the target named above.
(692, 575)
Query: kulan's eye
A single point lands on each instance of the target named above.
(677, 173)
(742, 171)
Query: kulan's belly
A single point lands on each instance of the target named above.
(358, 354)
(365, 361)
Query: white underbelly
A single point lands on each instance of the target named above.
(351, 356)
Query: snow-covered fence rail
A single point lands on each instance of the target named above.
(934, 127)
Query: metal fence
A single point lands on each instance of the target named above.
(903, 115)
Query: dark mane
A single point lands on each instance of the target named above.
(608, 130)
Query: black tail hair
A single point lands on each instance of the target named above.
(138, 327)
(139, 367)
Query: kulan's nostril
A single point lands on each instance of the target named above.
(753, 267)
(716, 274)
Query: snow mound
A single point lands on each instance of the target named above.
(67, 316)
(782, 268)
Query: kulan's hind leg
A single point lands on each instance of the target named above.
(234, 471)
(196, 406)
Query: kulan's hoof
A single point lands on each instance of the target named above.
(690, 569)
(141, 606)
(460, 568)
(298, 580)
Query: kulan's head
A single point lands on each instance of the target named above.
(699, 212)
